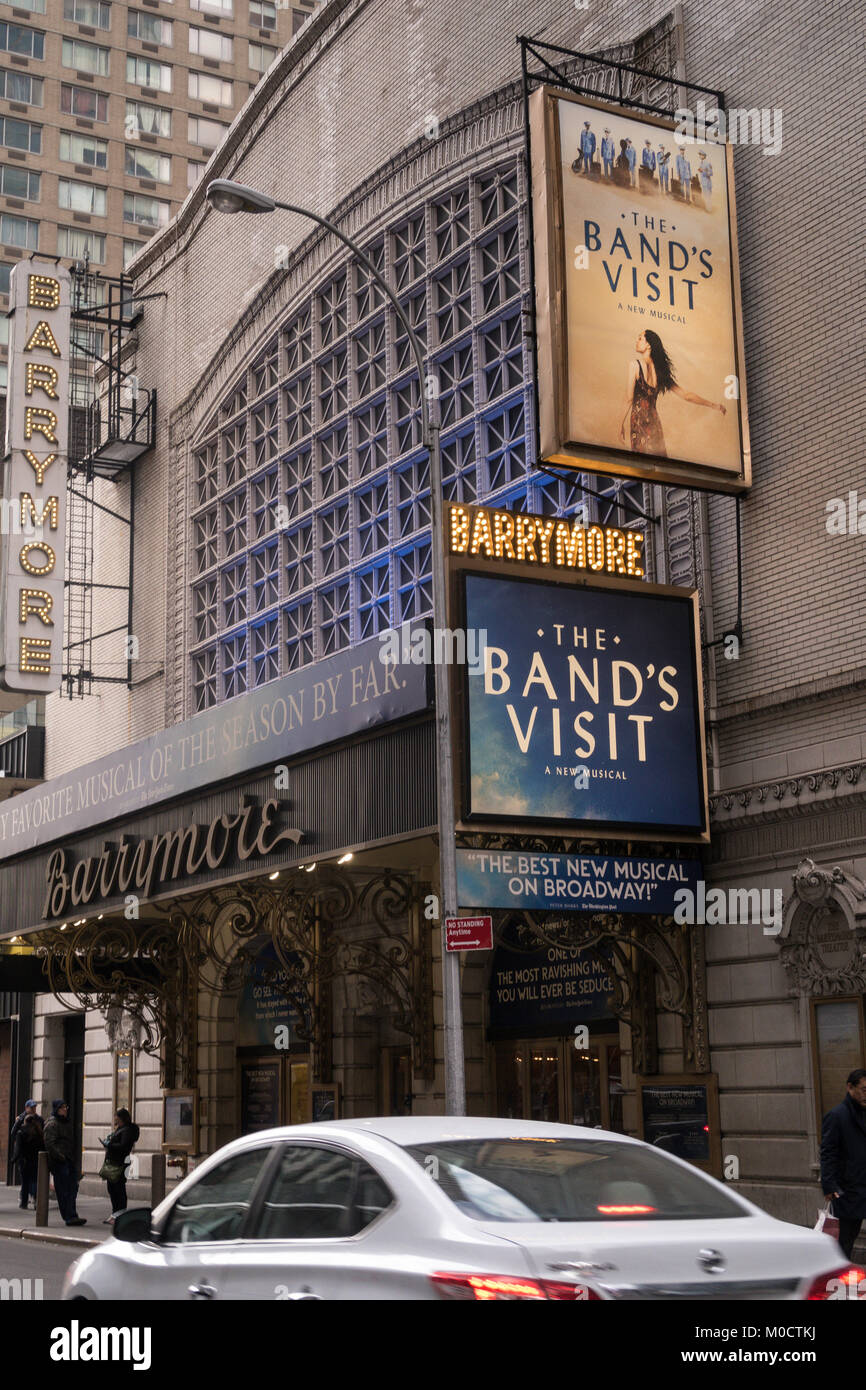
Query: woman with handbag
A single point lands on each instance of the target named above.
(118, 1147)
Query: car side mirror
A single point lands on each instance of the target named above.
(134, 1224)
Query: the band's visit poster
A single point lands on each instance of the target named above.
(586, 707)
(649, 306)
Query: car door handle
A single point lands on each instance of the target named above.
(201, 1291)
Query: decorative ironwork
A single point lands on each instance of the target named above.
(657, 966)
(325, 926)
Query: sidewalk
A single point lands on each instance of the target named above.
(22, 1224)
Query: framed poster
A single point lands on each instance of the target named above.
(123, 1081)
(180, 1115)
(680, 1114)
(638, 306)
(324, 1102)
(586, 710)
(261, 1084)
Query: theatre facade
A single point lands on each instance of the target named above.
(226, 892)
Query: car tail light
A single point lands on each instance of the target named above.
(489, 1287)
(847, 1282)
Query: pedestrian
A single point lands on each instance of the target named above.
(843, 1159)
(26, 1144)
(61, 1161)
(118, 1147)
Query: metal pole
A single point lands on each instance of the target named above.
(455, 1075)
(157, 1179)
(42, 1178)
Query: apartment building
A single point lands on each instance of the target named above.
(109, 113)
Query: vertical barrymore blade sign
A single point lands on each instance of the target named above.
(34, 479)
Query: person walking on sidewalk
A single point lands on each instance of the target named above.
(27, 1143)
(843, 1159)
(118, 1147)
(61, 1161)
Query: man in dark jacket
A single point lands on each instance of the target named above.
(26, 1145)
(61, 1161)
(843, 1159)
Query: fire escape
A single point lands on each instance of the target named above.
(112, 424)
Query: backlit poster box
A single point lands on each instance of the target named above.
(585, 710)
(639, 326)
(33, 555)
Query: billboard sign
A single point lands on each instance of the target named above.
(637, 297)
(586, 711)
(525, 880)
(34, 479)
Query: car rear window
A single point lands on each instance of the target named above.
(518, 1179)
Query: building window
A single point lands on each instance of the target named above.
(204, 43)
(204, 87)
(92, 12)
(147, 212)
(208, 134)
(455, 381)
(76, 243)
(299, 639)
(20, 231)
(34, 6)
(334, 462)
(409, 252)
(299, 484)
(149, 28)
(234, 593)
(20, 86)
(265, 637)
(299, 558)
(130, 250)
(266, 577)
(371, 438)
(219, 7)
(299, 19)
(502, 356)
(194, 171)
(19, 183)
(334, 539)
(140, 163)
(839, 1041)
(143, 72)
(460, 468)
(85, 57)
(5, 272)
(142, 119)
(414, 580)
(83, 102)
(371, 518)
(263, 14)
(412, 486)
(83, 149)
(205, 602)
(261, 56)
(265, 499)
(17, 38)
(233, 659)
(206, 472)
(373, 600)
(205, 679)
(73, 196)
(335, 616)
(505, 450)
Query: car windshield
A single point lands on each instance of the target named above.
(517, 1179)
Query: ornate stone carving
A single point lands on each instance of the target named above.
(823, 948)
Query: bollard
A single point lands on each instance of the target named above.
(42, 1180)
(157, 1179)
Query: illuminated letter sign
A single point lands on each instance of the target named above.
(37, 427)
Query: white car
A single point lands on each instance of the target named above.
(431, 1208)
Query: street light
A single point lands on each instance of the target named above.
(224, 195)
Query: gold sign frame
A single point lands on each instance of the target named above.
(551, 326)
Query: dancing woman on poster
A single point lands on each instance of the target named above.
(650, 375)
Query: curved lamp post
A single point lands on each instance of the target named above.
(224, 195)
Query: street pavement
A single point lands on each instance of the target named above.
(32, 1271)
(22, 1224)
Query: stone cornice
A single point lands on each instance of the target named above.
(784, 798)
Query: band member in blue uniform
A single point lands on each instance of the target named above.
(684, 174)
(663, 160)
(587, 149)
(631, 157)
(705, 174)
(607, 154)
